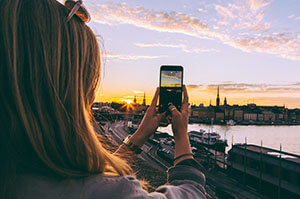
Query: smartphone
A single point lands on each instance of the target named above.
(170, 83)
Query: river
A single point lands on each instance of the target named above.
(271, 136)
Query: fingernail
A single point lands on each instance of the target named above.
(170, 103)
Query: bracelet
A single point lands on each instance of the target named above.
(182, 155)
(132, 146)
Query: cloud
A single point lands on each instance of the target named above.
(160, 45)
(183, 47)
(242, 15)
(256, 5)
(138, 92)
(114, 14)
(286, 45)
(232, 87)
(258, 37)
(294, 17)
(243, 93)
(128, 97)
(132, 57)
(225, 12)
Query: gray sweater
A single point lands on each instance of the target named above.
(184, 182)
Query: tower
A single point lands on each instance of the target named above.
(218, 97)
(134, 100)
(144, 100)
(225, 101)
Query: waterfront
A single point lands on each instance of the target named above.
(272, 136)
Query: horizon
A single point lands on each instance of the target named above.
(129, 100)
(250, 48)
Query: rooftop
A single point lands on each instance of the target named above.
(270, 152)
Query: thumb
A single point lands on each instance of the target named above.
(173, 109)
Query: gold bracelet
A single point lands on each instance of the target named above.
(131, 145)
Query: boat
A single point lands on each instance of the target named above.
(211, 140)
(231, 123)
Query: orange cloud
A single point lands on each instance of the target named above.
(255, 5)
(132, 57)
(231, 87)
(225, 12)
(246, 32)
(183, 47)
(244, 93)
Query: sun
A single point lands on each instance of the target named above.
(128, 101)
(128, 105)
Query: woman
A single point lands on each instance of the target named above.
(50, 69)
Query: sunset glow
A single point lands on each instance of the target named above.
(251, 48)
(128, 101)
(128, 107)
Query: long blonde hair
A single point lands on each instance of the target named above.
(50, 71)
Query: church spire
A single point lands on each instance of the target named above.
(134, 100)
(144, 100)
(218, 97)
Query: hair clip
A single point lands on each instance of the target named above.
(77, 8)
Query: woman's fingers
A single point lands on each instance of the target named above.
(163, 120)
(185, 102)
(154, 100)
(173, 109)
(185, 96)
(161, 115)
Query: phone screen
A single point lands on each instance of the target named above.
(171, 78)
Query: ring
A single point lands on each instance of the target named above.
(173, 109)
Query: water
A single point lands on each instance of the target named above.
(271, 136)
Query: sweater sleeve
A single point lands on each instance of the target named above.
(184, 181)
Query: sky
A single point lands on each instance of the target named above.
(250, 48)
(170, 78)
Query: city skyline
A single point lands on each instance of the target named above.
(250, 48)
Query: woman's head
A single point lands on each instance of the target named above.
(50, 70)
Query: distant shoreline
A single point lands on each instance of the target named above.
(247, 124)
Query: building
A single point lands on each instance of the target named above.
(260, 116)
(249, 116)
(195, 113)
(238, 115)
(228, 113)
(202, 113)
(269, 116)
(246, 114)
(219, 115)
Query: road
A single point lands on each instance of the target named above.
(119, 133)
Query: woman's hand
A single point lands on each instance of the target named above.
(179, 126)
(180, 119)
(149, 123)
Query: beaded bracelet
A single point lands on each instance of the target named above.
(182, 155)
